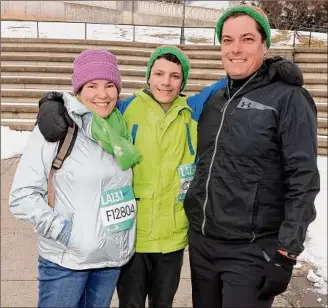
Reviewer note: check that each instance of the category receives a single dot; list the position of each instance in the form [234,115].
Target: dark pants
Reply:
[154,274]
[227,274]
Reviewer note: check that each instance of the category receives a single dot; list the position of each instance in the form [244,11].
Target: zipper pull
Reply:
[265,255]
[228,92]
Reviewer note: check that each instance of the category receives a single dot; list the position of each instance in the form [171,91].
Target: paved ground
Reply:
[19,263]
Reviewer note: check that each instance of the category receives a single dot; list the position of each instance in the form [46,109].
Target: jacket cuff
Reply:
[283,260]
[287,254]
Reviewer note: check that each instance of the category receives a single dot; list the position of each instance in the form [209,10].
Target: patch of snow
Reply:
[73,30]
[311,276]
[110,32]
[12,142]
[19,29]
[315,252]
[160,35]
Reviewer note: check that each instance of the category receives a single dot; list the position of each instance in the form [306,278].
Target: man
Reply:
[252,197]
[163,125]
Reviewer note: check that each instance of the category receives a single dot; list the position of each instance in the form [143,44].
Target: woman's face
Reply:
[100,96]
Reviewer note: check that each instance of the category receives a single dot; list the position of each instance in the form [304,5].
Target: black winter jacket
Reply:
[257,172]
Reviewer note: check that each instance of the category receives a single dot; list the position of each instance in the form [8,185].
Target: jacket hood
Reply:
[74,105]
[78,112]
[280,69]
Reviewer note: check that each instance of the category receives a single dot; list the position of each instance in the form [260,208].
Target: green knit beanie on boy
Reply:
[255,12]
[182,57]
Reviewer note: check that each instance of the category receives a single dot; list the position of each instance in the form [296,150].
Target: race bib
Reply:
[118,209]
[186,173]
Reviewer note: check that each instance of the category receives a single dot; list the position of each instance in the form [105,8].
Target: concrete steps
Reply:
[316,88]
[32,67]
[58,66]
[118,51]
[66,72]
[313,63]
[129,87]
[314,58]
[37,57]
[55,78]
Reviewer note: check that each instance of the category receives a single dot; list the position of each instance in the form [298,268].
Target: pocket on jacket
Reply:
[232,202]
[144,196]
[271,211]
[83,241]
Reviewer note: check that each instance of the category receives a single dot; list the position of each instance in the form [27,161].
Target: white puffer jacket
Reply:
[90,189]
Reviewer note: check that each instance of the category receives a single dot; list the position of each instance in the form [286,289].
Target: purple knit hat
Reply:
[93,64]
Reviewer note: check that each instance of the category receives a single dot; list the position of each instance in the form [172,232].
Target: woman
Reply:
[82,243]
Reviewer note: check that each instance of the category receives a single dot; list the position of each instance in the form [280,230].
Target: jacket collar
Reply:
[259,79]
[179,103]
[275,69]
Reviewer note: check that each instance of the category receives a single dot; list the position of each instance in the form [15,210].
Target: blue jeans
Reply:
[62,287]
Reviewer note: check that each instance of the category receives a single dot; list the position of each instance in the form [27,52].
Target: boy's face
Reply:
[165,80]
[242,47]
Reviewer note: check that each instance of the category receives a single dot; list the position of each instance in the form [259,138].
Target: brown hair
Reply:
[258,27]
[170,57]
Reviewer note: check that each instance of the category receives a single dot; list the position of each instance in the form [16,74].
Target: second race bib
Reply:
[186,173]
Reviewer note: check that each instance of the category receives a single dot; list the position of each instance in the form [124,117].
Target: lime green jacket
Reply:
[167,143]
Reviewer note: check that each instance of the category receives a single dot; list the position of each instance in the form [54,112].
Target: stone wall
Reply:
[112,12]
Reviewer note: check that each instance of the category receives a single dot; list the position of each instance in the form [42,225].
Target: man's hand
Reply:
[53,119]
[277,275]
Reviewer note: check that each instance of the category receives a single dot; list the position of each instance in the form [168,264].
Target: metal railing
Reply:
[300,27]
[39,24]
[182,34]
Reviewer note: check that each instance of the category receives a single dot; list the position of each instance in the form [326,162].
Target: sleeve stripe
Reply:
[123,104]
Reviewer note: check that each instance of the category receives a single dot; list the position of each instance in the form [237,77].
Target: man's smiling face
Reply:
[242,46]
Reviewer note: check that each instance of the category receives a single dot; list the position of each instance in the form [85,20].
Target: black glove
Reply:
[53,119]
[284,70]
[277,275]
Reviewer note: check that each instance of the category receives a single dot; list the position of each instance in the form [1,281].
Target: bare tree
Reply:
[294,15]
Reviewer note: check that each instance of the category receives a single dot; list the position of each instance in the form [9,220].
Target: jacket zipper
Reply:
[225,106]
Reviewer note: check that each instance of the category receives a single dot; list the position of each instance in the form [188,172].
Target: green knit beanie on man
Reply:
[168,49]
[254,12]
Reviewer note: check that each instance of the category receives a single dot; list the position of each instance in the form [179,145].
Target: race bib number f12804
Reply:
[118,209]
[186,173]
